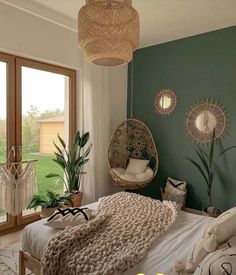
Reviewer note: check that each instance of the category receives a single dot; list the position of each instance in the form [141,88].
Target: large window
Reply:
[39,106]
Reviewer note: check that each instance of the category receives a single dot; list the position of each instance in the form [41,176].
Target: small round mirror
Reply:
[206,122]
[203,118]
[165,102]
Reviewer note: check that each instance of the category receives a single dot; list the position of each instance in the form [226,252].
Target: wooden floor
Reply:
[10,238]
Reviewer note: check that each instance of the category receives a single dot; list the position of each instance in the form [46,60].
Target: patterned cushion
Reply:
[69,217]
[180,184]
[221,261]
[176,191]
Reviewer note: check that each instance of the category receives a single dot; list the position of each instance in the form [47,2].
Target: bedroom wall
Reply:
[196,67]
[33,37]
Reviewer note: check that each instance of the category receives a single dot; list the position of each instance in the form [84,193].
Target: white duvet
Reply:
[173,245]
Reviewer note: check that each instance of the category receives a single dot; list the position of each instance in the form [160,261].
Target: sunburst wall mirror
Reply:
[205,116]
[165,102]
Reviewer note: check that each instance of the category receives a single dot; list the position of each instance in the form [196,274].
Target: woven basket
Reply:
[108,31]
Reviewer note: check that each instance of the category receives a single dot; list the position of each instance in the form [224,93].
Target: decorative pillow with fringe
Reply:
[220,230]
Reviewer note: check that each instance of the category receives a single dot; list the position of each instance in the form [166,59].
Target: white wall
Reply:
[28,35]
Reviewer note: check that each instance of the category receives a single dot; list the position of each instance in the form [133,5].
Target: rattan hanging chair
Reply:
[131,139]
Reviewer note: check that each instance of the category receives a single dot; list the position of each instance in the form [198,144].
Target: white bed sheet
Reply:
[171,246]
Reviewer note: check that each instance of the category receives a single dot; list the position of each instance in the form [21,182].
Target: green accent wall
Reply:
[202,66]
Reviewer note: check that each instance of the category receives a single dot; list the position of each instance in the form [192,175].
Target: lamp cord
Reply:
[132,89]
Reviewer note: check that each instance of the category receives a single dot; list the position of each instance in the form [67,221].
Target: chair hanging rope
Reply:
[17,185]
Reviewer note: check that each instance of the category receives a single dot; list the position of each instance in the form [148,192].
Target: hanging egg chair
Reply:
[132,140]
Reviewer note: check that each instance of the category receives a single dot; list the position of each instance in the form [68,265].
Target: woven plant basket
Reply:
[131,139]
[108,31]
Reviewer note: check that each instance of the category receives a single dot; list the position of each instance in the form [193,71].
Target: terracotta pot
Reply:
[77,199]
[46,212]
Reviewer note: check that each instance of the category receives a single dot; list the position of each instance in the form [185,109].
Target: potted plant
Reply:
[207,166]
[49,202]
[72,160]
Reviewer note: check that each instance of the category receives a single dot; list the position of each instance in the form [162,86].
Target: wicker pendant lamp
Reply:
[108,31]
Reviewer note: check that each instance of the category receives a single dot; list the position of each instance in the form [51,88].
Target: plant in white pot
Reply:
[72,160]
[49,202]
[207,166]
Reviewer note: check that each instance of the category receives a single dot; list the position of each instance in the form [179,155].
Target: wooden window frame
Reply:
[14,113]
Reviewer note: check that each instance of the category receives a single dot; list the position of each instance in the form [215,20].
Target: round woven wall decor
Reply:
[165,102]
[108,31]
[205,116]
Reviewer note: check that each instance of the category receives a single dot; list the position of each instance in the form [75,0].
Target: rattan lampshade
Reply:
[108,31]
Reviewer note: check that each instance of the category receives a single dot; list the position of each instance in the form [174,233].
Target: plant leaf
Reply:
[202,158]
[61,141]
[225,150]
[58,148]
[52,175]
[84,139]
[199,169]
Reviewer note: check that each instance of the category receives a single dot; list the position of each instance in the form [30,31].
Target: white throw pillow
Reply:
[118,171]
[145,176]
[220,230]
[136,166]
[221,261]
[194,258]
[69,217]
[139,177]
[180,184]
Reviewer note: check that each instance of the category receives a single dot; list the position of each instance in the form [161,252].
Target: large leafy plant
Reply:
[49,200]
[72,160]
[207,165]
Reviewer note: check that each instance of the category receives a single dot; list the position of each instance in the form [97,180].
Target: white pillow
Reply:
[180,184]
[220,230]
[145,176]
[136,166]
[69,217]
[129,177]
[221,261]
[118,171]
[139,177]
[194,258]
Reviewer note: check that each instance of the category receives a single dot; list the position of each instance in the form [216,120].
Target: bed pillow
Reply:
[174,194]
[220,230]
[136,166]
[194,258]
[148,173]
[181,185]
[221,261]
[69,217]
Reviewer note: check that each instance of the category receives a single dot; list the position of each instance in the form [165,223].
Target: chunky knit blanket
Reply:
[118,237]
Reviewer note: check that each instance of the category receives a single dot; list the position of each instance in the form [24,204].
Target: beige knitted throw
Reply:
[119,237]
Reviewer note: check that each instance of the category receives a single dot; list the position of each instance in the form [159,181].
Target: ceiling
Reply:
[161,20]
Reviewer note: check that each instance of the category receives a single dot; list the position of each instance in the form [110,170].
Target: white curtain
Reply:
[98,114]
[97,120]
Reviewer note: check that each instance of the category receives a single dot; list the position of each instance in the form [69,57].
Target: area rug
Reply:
[9,260]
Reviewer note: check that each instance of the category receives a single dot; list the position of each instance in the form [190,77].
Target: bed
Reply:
[173,245]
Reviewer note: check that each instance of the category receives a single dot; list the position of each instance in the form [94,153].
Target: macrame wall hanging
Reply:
[17,184]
